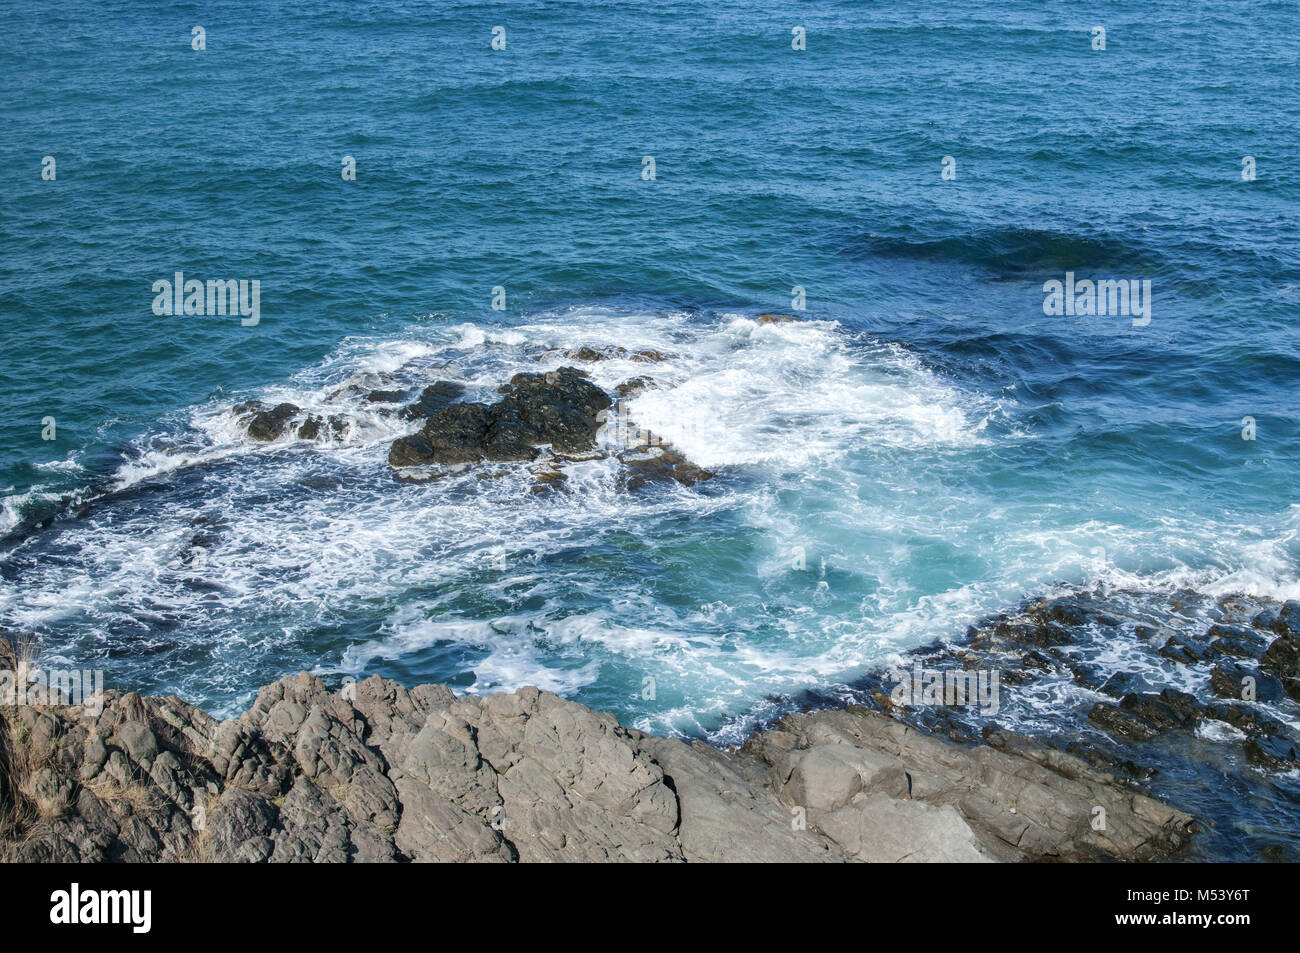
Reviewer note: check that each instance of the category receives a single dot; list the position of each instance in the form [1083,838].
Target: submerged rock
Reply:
[1234,655]
[266,425]
[593,354]
[315,427]
[1272,752]
[367,386]
[630,388]
[547,476]
[659,465]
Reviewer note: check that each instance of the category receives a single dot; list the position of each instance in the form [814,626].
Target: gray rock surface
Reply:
[377,772]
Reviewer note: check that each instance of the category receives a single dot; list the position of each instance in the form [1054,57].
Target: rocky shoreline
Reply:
[374,772]
[1200,708]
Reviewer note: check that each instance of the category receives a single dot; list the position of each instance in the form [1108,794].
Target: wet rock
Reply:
[1230,679]
[776,319]
[434,398]
[1097,678]
[334,427]
[203,539]
[548,477]
[592,354]
[1121,724]
[349,392]
[1246,718]
[420,474]
[1187,650]
[558,408]
[1169,709]
[1281,620]
[385,396]
[1235,608]
[460,433]
[568,385]
[1272,752]
[659,465]
[1282,658]
[1032,630]
[1079,611]
[1037,661]
[268,425]
[1238,641]
[630,388]
[1144,733]
[339,425]
[1045,624]
[1119,684]
[360,386]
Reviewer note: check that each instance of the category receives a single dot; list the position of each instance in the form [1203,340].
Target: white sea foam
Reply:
[844,455]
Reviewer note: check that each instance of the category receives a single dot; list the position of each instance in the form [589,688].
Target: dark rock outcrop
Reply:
[1282,657]
[559,408]
[459,433]
[434,398]
[385,396]
[268,424]
[1246,649]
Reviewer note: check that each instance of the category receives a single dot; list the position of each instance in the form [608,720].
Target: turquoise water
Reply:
[927,447]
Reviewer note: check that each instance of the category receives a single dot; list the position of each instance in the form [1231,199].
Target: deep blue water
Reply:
[935,445]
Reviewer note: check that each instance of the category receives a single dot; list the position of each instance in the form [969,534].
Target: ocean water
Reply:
[924,448]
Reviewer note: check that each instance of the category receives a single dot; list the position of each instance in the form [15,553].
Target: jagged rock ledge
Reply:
[377,772]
